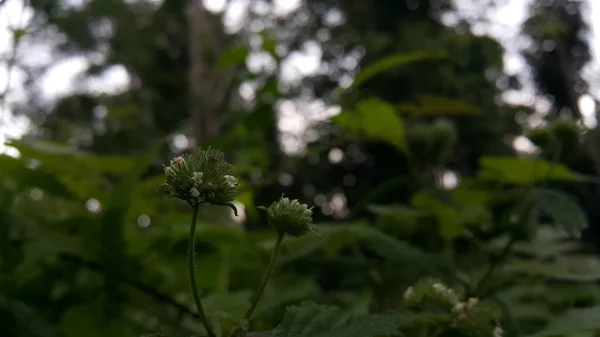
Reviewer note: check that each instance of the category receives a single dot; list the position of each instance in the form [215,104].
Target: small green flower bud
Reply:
[418,138]
[566,131]
[290,217]
[443,139]
[169,171]
[202,176]
[469,318]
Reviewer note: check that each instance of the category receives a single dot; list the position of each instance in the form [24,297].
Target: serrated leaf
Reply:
[375,119]
[563,209]
[572,322]
[384,245]
[566,268]
[376,325]
[313,320]
[400,252]
[522,171]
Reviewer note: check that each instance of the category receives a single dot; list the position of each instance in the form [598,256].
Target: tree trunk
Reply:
[207,89]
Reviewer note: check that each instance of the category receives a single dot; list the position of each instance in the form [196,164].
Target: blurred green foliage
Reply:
[426,184]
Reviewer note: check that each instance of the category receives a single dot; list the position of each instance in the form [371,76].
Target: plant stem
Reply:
[192,268]
[266,278]
[495,264]
[524,212]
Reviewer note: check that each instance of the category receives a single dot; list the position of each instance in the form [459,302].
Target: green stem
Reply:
[524,214]
[266,278]
[191,266]
[495,264]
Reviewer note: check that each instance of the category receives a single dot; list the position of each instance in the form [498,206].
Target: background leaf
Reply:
[563,209]
[572,322]
[522,171]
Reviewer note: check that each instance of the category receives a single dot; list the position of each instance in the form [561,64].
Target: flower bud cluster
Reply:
[201,177]
[431,292]
[469,318]
[290,217]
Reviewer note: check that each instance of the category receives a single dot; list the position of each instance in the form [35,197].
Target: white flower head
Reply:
[231,181]
[451,295]
[498,332]
[440,288]
[472,302]
[194,192]
[460,306]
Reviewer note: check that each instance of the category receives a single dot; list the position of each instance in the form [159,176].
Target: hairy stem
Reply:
[192,268]
[266,278]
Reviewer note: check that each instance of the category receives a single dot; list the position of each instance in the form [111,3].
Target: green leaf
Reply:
[286,289]
[338,236]
[400,252]
[571,269]
[375,119]
[232,57]
[522,171]
[563,209]
[448,217]
[393,62]
[28,177]
[18,319]
[381,121]
[454,211]
[429,105]
[89,320]
[313,320]
[112,243]
[572,322]
[348,120]
[548,242]
[68,159]
[233,304]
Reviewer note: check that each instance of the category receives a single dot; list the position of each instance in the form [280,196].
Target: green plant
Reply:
[205,177]
[430,307]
